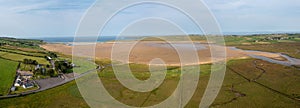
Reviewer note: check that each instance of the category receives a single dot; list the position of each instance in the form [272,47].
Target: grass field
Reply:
[63,96]
[262,92]
[230,40]
[24,49]
[21,52]
[18,57]
[248,82]
[289,48]
[8,71]
[22,43]
[26,67]
[236,90]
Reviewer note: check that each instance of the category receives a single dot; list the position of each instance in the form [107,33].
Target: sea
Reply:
[68,39]
[83,39]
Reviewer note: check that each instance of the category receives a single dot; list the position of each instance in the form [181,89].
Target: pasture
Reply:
[8,72]
[19,57]
[237,90]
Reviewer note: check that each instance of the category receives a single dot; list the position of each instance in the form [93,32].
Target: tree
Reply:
[25,61]
[35,62]
[30,61]
[52,55]
[63,66]
[51,72]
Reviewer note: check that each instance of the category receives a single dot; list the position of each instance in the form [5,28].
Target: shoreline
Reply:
[143,53]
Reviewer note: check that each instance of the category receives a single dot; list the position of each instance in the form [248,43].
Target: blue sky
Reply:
[39,18]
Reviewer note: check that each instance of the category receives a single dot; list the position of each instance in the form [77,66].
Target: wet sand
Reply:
[146,51]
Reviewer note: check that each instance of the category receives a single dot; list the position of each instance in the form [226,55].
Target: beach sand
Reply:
[145,51]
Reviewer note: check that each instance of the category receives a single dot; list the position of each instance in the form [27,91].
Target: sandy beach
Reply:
[145,51]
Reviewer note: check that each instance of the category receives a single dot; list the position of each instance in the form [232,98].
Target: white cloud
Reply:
[60,17]
[222,5]
[40,18]
[257,15]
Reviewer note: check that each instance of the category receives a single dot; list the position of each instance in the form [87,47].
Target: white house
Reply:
[18,82]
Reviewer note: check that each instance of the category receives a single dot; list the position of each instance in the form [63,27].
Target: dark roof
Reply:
[19,82]
[28,84]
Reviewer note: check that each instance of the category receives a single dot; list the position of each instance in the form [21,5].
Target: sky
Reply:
[58,18]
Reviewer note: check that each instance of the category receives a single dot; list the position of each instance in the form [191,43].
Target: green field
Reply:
[290,48]
[230,40]
[245,93]
[8,72]
[18,57]
[23,43]
[274,88]
[62,96]
[19,49]
[26,67]
[248,82]
[21,52]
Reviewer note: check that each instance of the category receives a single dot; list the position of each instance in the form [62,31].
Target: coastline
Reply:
[145,51]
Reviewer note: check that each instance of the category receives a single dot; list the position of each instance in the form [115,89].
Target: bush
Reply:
[64,67]
[30,61]
[52,73]
[68,71]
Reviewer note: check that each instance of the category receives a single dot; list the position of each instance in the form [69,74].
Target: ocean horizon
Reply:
[82,39]
[68,39]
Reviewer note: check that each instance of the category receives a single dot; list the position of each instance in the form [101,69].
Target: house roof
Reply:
[49,57]
[28,85]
